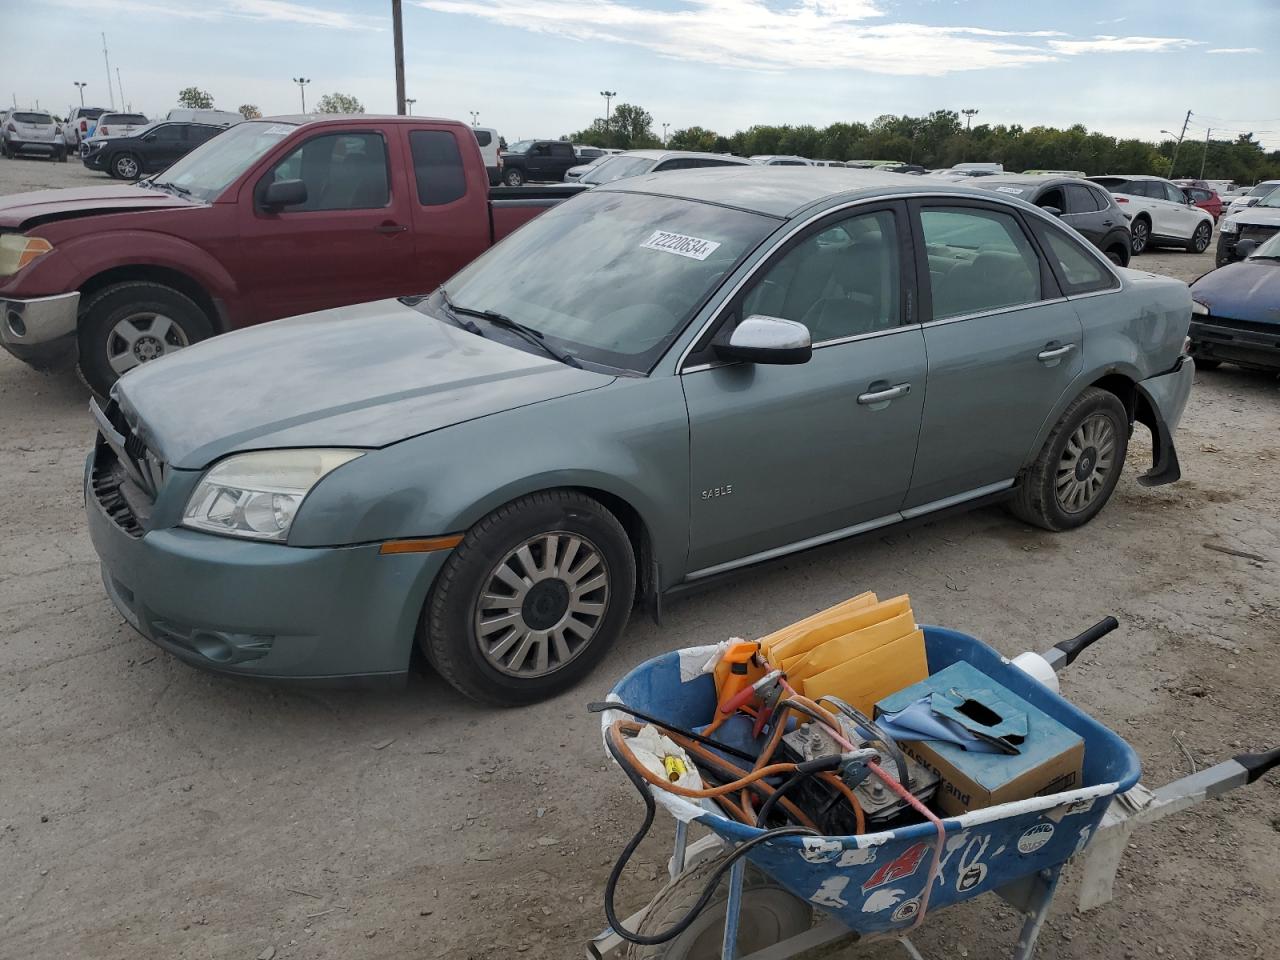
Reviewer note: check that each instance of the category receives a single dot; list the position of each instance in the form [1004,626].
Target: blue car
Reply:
[1235,315]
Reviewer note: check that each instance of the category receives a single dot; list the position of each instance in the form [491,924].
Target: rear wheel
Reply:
[531,600]
[1205,363]
[1118,255]
[513,178]
[769,915]
[1079,466]
[1140,235]
[126,166]
[1199,241]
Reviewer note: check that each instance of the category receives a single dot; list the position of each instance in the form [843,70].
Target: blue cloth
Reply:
[919,721]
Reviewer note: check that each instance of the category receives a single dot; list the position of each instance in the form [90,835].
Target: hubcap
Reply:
[1086,464]
[542,605]
[141,338]
[1202,236]
[127,168]
[1139,236]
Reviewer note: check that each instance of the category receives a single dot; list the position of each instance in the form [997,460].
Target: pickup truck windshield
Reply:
[611,278]
[210,168]
[618,168]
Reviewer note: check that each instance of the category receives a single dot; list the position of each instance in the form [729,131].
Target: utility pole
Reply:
[1205,155]
[608,108]
[81,86]
[302,89]
[409,102]
[969,114]
[1174,161]
[397,37]
[121,86]
[107,60]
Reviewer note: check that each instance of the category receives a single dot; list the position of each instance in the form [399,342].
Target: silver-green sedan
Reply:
[657,382]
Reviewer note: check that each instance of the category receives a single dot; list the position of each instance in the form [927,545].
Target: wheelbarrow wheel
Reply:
[769,915]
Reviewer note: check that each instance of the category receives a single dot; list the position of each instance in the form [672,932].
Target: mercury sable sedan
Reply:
[657,382]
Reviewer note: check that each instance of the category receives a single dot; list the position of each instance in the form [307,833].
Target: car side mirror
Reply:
[761,339]
[284,193]
[1052,211]
[1246,248]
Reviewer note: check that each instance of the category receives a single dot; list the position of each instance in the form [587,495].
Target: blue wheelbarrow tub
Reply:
[874,883]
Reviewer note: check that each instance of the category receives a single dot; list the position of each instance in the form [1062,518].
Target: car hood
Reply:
[361,376]
[23,211]
[1249,290]
[1262,216]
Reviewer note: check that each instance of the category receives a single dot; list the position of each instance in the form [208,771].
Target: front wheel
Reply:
[1078,468]
[513,178]
[126,167]
[769,915]
[1140,236]
[1199,241]
[531,599]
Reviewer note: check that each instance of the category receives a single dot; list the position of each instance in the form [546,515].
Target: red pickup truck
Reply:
[269,219]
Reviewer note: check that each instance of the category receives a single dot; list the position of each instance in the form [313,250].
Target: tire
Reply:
[1118,256]
[1056,497]
[1206,363]
[513,178]
[127,324]
[1140,235]
[769,915]
[1199,241]
[125,166]
[452,634]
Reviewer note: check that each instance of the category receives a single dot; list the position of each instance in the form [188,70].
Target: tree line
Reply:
[941,140]
[193,98]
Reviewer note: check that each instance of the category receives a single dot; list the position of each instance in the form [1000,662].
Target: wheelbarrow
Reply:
[792,894]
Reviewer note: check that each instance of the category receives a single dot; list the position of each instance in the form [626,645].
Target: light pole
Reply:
[475,117]
[302,89]
[665,126]
[969,114]
[409,102]
[608,108]
[81,86]
[1176,143]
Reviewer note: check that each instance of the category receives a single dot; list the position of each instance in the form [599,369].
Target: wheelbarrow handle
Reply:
[1070,649]
[1258,764]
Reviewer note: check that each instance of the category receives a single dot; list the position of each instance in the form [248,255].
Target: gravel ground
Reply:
[147,809]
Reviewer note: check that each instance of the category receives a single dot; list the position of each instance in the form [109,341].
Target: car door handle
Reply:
[1107,223]
[1054,353]
[885,395]
[391,228]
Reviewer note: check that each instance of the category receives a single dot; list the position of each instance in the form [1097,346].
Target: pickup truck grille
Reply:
[126,477]
[1258,233]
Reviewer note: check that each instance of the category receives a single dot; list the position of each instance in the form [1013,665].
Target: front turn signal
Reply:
[18,250]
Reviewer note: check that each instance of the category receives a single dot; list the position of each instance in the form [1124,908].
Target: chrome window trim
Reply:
[838,341]
[996,199]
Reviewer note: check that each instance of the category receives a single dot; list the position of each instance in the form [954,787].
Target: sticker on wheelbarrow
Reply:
[1035,838]
[883,899]
[907,911]
[903,866]
[819,850]
[830,894]
[972,871]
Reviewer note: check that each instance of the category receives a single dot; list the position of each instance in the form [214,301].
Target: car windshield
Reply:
[521,146]
[1269,250]
[619,168]
[1261,190]
[611,278]
[41,118]
[210,168]
[1272,199]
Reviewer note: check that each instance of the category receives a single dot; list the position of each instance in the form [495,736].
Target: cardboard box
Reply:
[1050,757]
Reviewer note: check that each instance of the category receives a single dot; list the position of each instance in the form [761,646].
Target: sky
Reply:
[536,68]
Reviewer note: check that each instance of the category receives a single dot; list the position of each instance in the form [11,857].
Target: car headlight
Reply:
[17,250]
[1199,309]
[256,495]
[1229,226]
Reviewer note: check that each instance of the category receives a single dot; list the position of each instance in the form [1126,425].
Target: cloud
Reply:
[274,11]
[782,35]
[1103,23]
[1106,44]
[1235,50]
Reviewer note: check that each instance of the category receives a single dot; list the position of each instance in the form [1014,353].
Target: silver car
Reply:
[657,382]
[634,163]
[111,126]
[32,132]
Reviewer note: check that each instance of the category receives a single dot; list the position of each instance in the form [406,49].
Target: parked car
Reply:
[1255,224]
[584,152]
[911,168]
[531,161]
[1086,207]
[660,381]
[489,142]
[113,126]
[827,163]
[771,160]
[1206,198]
[1055,173]
[1236,314]
[633,163]
[270,218]
[80,125]
[32,132]
[1252,195]
[1160,214]
[148,149]
[576,173]
[219,118]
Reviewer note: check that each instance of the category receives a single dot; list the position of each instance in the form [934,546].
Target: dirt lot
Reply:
[148,810]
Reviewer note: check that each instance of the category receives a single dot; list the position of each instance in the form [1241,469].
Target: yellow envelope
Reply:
[803,636]
[833,627]
[865,680]
[849,646]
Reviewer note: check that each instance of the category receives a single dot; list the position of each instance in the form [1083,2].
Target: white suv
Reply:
[1160,214]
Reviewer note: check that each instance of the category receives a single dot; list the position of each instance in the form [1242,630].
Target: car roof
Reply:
[668,154]
[1125,176]
[783,192]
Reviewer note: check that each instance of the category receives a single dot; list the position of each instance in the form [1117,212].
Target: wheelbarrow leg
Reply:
[1036,900]
[729,949]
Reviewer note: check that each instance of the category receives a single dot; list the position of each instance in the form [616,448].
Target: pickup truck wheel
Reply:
[1079,466]
[1199,241]
[513,178]
[1140,233]
[531,599]
[133,323]
[125,166]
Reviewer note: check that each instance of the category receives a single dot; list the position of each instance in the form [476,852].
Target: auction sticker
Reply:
[692,247]
[1035,838]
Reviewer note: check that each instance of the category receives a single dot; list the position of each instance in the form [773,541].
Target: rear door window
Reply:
[1081,199]
[437,167]
[979,260]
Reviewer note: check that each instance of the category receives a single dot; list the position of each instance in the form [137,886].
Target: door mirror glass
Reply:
[284,193]
[761,339]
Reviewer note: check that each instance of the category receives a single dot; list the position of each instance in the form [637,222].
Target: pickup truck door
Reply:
[349,242]
[449,203]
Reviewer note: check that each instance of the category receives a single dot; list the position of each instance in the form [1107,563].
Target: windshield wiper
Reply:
[529,334]
[451,314]
[169,184]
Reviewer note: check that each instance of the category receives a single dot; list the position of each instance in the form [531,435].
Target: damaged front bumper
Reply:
[39,330]
[1161,400]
